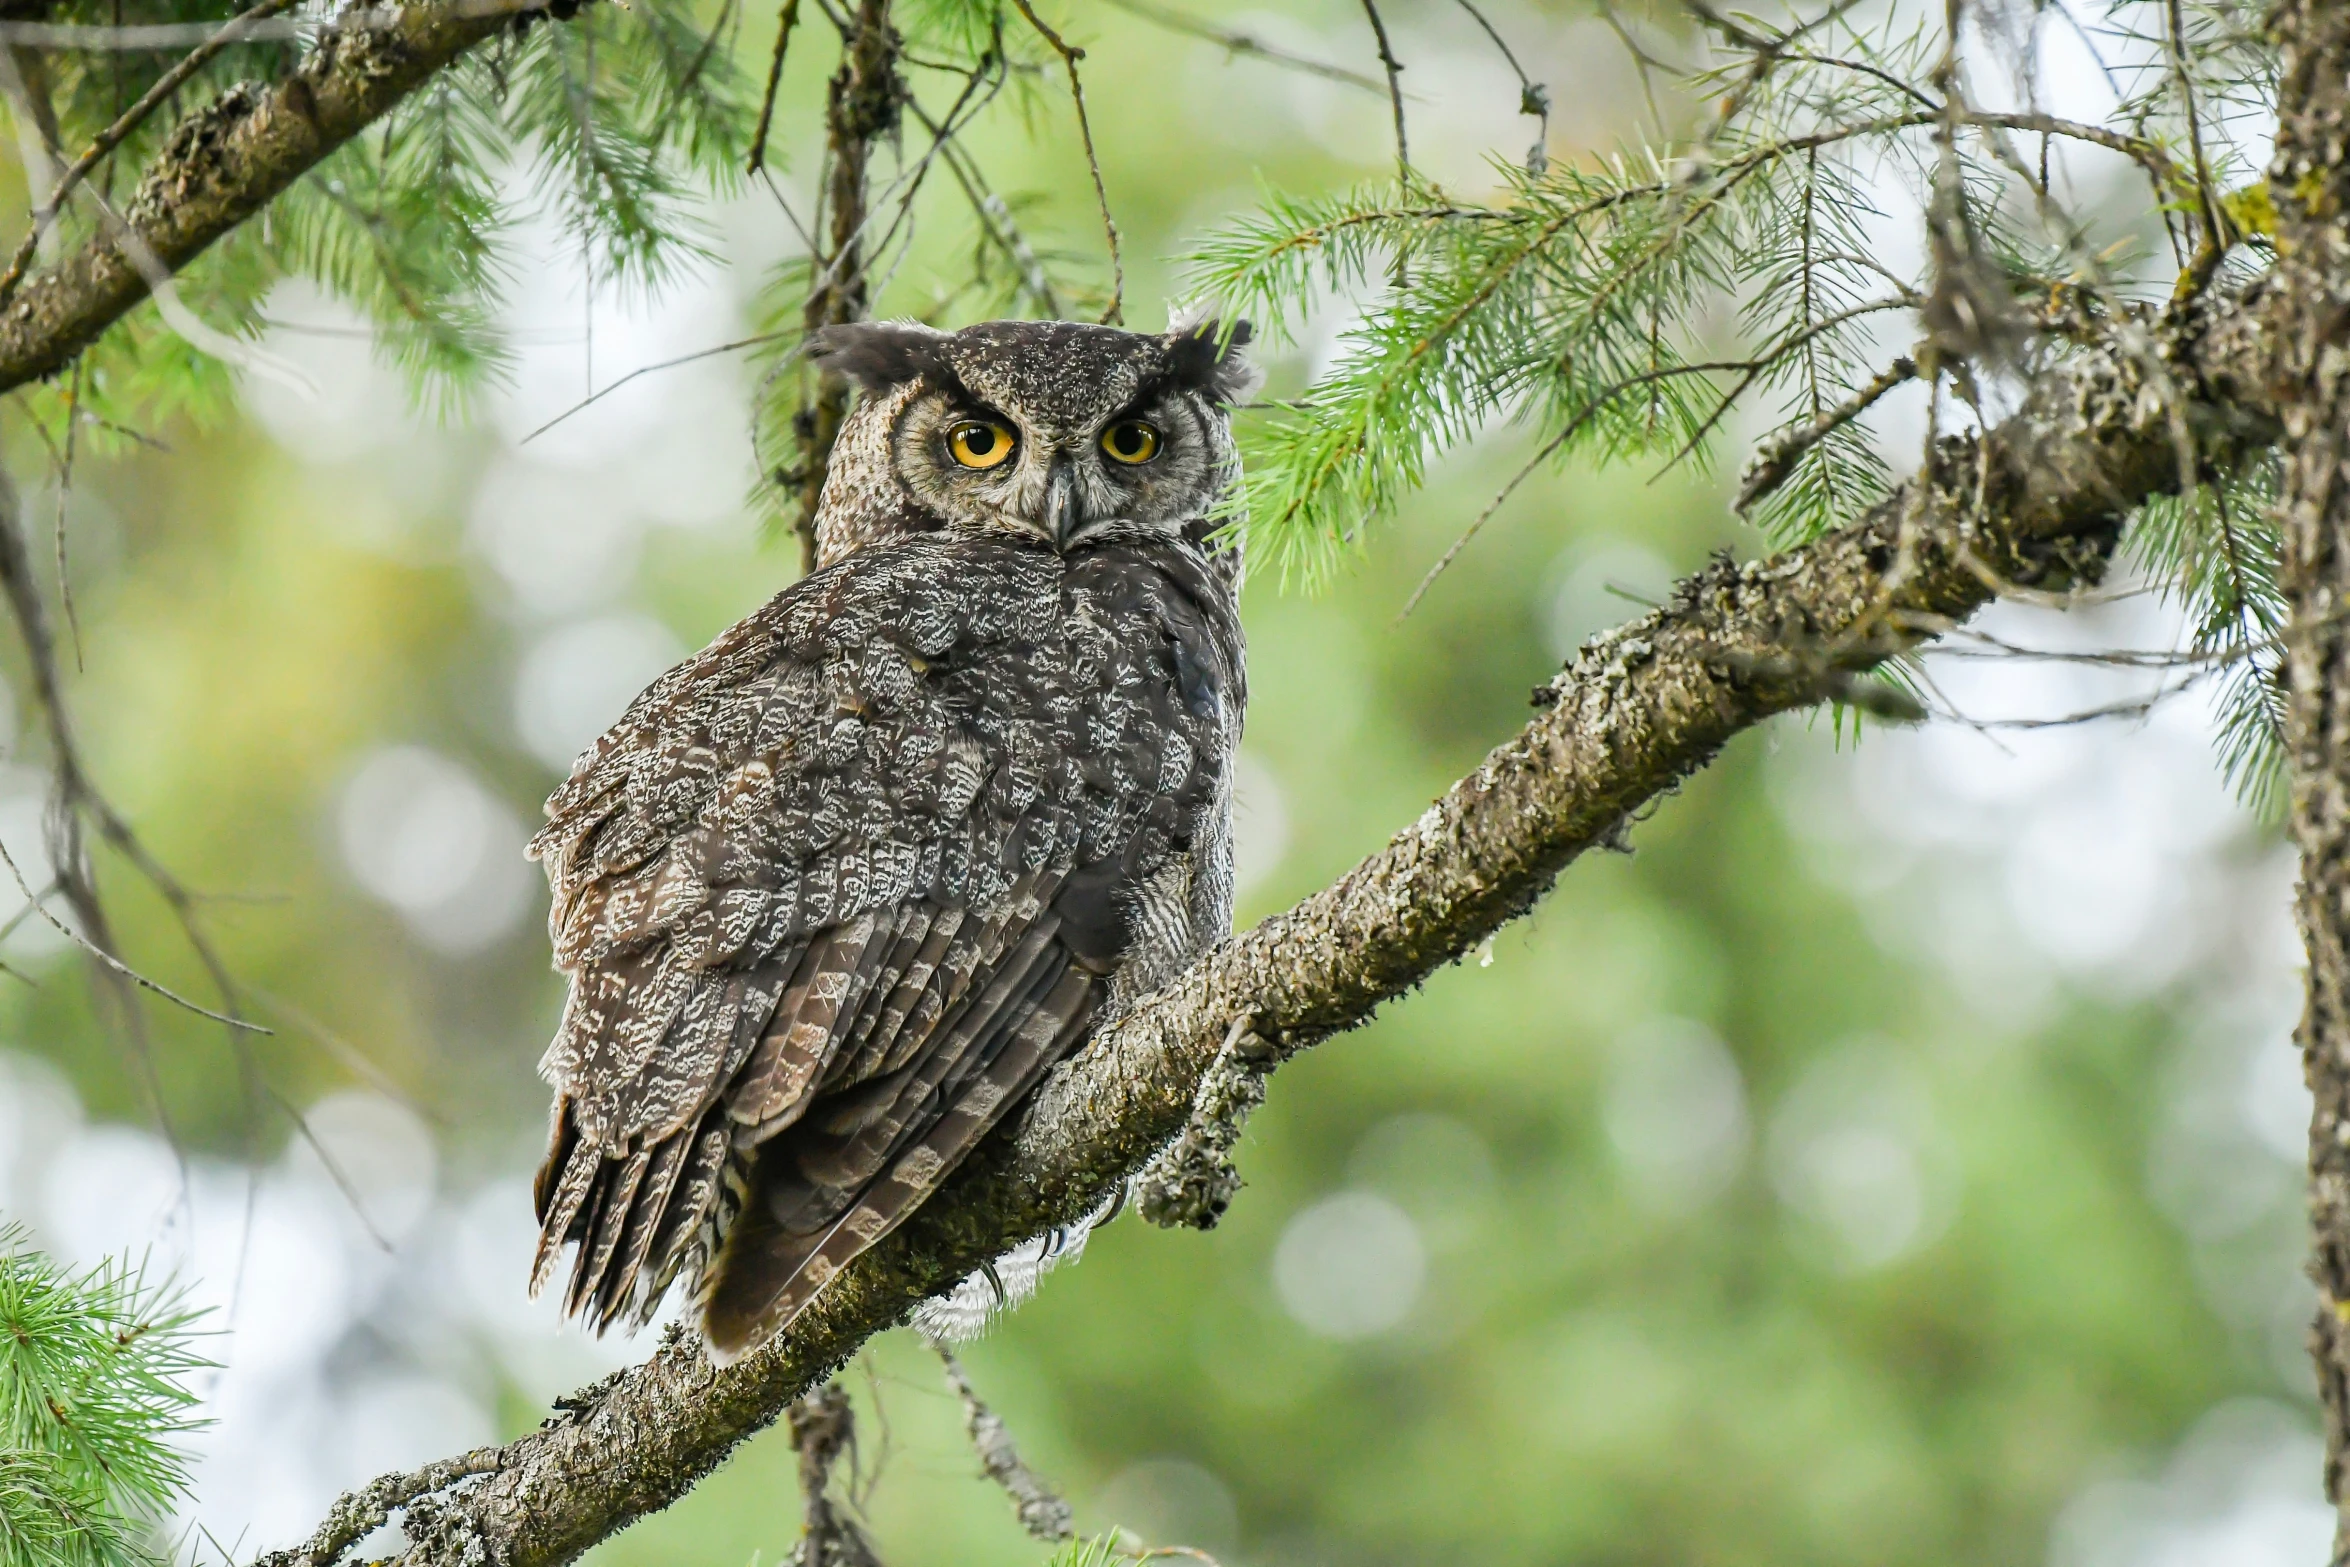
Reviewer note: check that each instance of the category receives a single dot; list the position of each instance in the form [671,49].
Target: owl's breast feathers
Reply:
[836,893]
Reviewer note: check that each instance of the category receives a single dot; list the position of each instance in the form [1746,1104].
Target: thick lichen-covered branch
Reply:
[2310,187]
[228,160]
[2040,503]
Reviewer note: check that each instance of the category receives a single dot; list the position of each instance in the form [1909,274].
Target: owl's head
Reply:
[1049,430]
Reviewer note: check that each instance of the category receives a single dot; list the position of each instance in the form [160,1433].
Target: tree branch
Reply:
[2308,181]
[229,159]
[2040,503]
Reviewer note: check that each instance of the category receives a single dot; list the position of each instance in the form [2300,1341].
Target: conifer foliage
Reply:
[1637,306]
[95,1394]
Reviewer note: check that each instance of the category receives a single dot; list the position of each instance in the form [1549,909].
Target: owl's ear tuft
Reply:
[1206,354]
[878,355]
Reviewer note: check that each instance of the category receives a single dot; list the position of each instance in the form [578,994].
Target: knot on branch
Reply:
[1827,674]
[2069,562]
[193,154]
[1192,1181]
[869,95]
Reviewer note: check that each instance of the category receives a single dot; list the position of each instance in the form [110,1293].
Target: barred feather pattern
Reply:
[836,893]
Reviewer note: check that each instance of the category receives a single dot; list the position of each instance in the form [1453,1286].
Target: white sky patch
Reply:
[419,833]
[576,680]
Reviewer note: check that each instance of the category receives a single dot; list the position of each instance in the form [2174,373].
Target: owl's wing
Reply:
[833,896]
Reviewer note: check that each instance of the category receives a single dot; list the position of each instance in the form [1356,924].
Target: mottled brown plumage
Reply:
[835,894]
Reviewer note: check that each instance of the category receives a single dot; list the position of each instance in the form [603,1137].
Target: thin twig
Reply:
[1243,43]
[791,16]
[993,74]
[1771,466]
[349,1054]
[1394,69]
[1598,402]
[334,1172]
[603,392]
[116,964]
[995,219]
[2215,227]
[1070,54]
[73,403]
[1533,97]
[1041,1510]
[1754,369]
[1644,63]
[1863,68]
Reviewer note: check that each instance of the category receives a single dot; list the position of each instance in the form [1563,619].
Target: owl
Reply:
[837,892]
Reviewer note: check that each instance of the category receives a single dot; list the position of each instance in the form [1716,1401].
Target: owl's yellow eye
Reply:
[980,443]
[1130,441]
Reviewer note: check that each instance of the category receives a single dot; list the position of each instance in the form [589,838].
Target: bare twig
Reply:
[1770,467]
[1070,54]
[354,1059]
[783,27]
[77,798]
[995,219]
[73,403]
[1394,69]
[603,392]
[1192,1182]
[334,1171]
[1041,1510]
[1533,97]
[1246,44]
[2207,209]
[113,963]
[1749,370]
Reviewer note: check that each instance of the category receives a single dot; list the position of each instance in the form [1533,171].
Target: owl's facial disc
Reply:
[1149,464]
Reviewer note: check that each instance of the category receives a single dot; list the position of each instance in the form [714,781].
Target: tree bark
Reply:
[2039,502]
[2310,185]
[862,107]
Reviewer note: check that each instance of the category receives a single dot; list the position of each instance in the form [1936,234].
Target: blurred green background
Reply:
[1890,1160]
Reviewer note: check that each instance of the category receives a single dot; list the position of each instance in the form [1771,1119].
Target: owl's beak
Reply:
[1061,520]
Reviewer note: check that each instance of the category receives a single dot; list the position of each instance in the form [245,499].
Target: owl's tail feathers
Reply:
[634,1219]
[769,1270]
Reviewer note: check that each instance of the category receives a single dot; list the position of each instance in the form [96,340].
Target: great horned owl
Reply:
[835,893]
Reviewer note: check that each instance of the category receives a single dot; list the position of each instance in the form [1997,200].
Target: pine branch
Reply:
[93,1400]
[229,159]
[2038,503]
